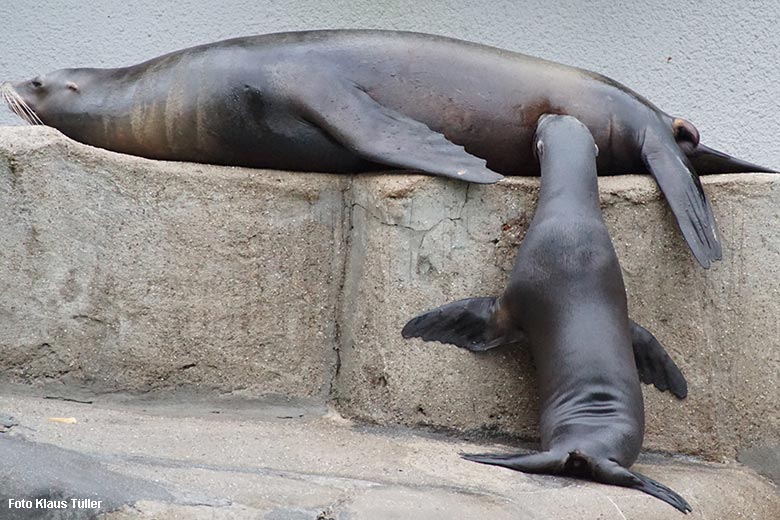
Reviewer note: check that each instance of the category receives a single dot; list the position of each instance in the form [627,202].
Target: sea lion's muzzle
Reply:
[18,105]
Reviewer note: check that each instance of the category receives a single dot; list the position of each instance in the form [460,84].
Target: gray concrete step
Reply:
[184,457]
[124,274]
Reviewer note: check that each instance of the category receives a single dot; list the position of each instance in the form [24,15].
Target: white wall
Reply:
[717,67]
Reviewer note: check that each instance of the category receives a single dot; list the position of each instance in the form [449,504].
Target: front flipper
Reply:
[683,191]
[385,136]
[654,364]
[476,324]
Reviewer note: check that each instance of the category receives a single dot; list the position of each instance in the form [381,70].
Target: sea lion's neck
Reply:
[569,184]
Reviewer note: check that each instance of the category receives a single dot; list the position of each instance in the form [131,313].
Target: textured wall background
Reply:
[714,66]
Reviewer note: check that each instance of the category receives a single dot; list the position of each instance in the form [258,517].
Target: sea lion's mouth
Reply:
[18,105]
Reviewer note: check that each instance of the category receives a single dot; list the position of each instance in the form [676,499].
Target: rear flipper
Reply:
[475,324]
[578,465]
[658,490]
[707,161]
[608,471]
[545,462]
[654,364]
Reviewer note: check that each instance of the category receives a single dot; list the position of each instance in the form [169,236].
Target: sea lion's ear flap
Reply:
[72,86]
[475,324]
[684,131]
[653,363]
[684,194]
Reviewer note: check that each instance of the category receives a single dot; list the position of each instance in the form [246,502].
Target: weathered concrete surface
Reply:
[418,243]
[219,460]
[765,460]
[123,273]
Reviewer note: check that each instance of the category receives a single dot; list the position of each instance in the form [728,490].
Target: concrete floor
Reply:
[187,457]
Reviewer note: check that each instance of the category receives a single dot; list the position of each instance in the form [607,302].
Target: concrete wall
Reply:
[418,243]
[714,63]
[124,274]
[131,275]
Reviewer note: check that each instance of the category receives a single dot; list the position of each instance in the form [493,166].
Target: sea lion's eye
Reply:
[36,83]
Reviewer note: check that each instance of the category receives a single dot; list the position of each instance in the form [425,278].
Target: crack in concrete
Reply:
[465,201]
[348,226]
[410,228]
[346,223]
[383,222]
[460,220]
[68,399]
[88,318]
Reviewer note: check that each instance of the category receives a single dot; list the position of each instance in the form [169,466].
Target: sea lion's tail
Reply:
[475,324]
[580,465]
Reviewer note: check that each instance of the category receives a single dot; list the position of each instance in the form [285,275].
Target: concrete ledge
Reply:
[128,274]
[418,243]
[123,274]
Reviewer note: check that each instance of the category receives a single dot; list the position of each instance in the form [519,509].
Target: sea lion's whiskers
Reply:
[14,106]
[19,106]
[11,102]
[33,116]
[4,91]
[36,119]
[6,97]
[20,111]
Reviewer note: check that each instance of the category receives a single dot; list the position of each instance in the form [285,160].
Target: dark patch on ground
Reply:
[37,473]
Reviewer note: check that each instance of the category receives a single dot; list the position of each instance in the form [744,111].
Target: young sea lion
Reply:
[566,295]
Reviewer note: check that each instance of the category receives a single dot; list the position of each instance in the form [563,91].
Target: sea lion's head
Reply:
[54,99]
[567,132]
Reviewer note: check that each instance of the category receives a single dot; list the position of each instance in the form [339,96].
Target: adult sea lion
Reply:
[351,101]
[566,295]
